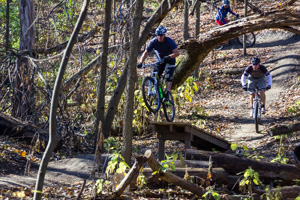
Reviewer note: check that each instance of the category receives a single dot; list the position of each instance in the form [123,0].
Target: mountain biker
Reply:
[222,13]
[167,51]
[256,74]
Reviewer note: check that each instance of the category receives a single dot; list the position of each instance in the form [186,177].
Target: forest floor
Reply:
[227,115]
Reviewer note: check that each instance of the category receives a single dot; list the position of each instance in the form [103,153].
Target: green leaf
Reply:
[245,148]
[173,168]
[256,182]
[233,146]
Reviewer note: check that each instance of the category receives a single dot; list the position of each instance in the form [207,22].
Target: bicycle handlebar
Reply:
[155,64]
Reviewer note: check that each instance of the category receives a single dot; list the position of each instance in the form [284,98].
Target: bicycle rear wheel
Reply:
[256,118]
[150,94]
[169,108]
[250,39]
[219,46]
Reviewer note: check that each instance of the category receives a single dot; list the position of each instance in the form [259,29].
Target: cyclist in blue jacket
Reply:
[222,13]
[256,74]
[167,51]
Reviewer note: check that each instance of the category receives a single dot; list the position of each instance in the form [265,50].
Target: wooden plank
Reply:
[190,135]
[214,140]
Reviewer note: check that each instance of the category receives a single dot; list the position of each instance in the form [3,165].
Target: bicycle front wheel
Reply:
[256,116]
[250,39]
[169,108]
[150,94]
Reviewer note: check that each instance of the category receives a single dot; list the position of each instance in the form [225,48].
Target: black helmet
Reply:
[255,61]
[160,30]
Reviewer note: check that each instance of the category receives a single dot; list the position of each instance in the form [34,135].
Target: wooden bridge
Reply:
[189,134]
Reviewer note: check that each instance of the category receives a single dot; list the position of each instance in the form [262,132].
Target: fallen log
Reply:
[14,128]
[286,192]
[233,165]
[171,178]
[198,176]
[283,129]
[134,170]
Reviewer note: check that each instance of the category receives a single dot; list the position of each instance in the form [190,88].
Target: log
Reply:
[233,165]
[287,192]
[198,176]
[134,170]
[14,128]
[283,129]
[171,178]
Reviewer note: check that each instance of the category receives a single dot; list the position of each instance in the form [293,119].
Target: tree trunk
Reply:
[283,129]
[186,21]
[53,138]
[23,94]
[197,23]
[6,37]
[131,80]
[197,30]
[269,171]
[102,79]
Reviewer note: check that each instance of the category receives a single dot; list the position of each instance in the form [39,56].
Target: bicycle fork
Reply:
[256,102]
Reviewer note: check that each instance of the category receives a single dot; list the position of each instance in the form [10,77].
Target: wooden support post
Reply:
[161,149]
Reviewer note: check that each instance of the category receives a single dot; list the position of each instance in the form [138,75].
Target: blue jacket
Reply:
[222,13]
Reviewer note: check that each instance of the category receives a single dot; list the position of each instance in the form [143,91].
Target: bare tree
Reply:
[6,37]
[186,20]
[102,79]
[53,138]
[23,97]
[131,80]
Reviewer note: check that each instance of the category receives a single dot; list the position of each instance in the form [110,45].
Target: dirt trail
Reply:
[285,47]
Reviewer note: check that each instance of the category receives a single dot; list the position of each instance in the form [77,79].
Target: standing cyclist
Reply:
[222,13]
[256,74]
[167,51]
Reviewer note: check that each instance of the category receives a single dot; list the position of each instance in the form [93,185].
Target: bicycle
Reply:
[155,95]
[256,111]
[250,40]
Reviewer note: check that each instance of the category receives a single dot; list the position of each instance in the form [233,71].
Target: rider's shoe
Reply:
[156,102]
[251,112]
[263,110]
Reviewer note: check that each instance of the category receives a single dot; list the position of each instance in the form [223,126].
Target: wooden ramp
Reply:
[189,134]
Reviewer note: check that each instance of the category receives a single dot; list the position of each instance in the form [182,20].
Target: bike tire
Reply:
[219,47]
[256,118]
[150,94]
[168,107]
[250,39]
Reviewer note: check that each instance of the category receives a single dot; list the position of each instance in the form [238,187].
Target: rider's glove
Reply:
[268,87]
[165,59]
[139,65]
[237,15]
[245,87]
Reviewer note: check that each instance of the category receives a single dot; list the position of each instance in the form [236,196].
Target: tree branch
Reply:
[197,50]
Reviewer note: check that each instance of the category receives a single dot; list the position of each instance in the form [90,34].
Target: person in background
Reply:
[222,13]
[256,74]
